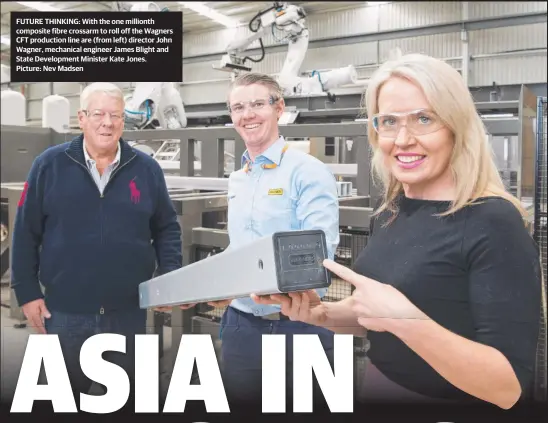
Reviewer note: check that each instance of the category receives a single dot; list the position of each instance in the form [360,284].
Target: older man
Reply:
[95,219]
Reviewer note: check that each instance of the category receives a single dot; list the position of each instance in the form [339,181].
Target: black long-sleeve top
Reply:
[476,273]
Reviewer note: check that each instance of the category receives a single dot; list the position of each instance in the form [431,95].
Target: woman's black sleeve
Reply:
[505,280]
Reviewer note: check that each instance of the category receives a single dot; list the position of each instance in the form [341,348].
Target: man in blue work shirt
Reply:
[277,189]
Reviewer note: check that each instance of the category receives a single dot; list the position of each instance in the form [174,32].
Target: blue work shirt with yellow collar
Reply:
[293,191]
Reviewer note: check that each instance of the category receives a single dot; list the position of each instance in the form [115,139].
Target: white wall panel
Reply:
[199,43]
[74,105]
[325,25]
[34,111]
[202,71]
[527,69]
[316,59]
[35,108]
[395,15]
[341,56]
[398,15]
[499,40]
[64,88]
[38,90]
[125,85]
[214,92]
[441,46]
[489,9]
[366,19]
[272,63]
[360,20]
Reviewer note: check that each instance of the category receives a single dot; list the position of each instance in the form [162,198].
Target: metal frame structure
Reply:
[213,143]
[322,109]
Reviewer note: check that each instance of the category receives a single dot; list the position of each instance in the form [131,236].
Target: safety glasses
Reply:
[417,122]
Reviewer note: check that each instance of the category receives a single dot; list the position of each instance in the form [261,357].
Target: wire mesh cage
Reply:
[539,233]
[351,243]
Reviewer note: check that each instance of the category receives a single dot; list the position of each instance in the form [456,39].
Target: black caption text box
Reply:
[108,46]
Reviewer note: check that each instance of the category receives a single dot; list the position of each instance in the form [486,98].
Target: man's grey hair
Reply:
[252,78]
[99,87]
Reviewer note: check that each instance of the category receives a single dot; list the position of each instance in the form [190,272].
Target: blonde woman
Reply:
[449,284]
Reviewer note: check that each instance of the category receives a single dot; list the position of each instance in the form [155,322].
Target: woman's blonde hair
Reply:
[472,163]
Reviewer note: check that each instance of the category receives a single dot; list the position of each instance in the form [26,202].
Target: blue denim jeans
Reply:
[74,329]
[241,354]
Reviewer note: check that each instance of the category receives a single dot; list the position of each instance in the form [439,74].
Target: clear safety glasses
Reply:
[417,122]
[99,115]
[254,105]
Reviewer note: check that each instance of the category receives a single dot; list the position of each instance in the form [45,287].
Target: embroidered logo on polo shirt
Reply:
[276,191]
[134,192]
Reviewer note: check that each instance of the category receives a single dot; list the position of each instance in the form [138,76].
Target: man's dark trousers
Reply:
[241,354]
[74,329]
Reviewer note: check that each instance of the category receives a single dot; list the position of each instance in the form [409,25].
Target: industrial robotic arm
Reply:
[153,104]
[289,19]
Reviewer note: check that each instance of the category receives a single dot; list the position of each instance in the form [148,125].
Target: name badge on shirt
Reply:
[276,191]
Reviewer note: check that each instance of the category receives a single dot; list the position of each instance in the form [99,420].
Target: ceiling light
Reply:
[38,5]
[377,3]
[202,9]
[5,40]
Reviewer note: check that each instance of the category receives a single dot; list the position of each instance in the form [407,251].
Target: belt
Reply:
[274,316]
[271,316]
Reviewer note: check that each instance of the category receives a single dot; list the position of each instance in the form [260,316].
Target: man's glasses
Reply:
[99,115]
[254,105]
[417,122]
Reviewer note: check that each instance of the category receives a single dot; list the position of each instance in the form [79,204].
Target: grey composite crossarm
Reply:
[280,263]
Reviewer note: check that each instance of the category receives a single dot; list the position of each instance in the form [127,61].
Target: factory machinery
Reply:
[331,130]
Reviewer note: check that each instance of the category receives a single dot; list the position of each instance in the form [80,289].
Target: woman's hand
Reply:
[306,306]
[220,303]
[377,306]
[169,308]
